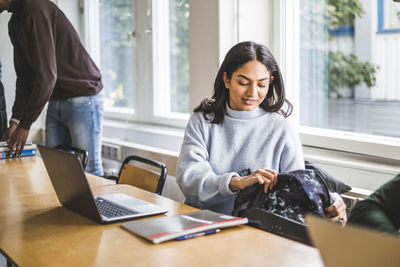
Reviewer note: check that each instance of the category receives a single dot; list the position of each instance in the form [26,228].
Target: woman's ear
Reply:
[272,78]
[226,81]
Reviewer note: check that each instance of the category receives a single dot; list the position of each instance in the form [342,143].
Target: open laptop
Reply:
[73,191]
[353,246]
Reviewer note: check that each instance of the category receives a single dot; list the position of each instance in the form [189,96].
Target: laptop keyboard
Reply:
[110,210]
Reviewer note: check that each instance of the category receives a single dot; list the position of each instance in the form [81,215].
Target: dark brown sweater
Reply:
[50,60]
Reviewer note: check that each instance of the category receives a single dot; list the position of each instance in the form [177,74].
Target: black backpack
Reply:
[282,210]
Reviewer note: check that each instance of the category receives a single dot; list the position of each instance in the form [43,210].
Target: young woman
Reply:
[243,126]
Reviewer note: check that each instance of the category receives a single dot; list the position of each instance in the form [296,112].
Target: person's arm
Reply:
[388,195]
[39,31]
[22,93]
[197,180]
[23,86]
[381,210]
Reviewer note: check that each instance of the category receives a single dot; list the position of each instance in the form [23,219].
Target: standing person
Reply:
[243,126]
[52,65]
[3,111]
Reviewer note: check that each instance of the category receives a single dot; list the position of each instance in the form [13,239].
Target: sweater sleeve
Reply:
[23,86]
[200,185]
[292,155]
[40,33]
[380,211]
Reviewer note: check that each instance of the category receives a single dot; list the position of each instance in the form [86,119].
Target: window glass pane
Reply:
[116,52]
[179,55]
[348,82]
[391,14]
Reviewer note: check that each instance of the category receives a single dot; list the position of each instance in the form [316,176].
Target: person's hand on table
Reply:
[337,211]
[16,141]
[262,176]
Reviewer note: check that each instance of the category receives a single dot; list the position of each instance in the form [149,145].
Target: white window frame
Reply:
[152,77]
[161,72]
[365,144]
[92,44]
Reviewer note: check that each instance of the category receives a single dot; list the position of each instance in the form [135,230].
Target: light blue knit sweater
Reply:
[211,154]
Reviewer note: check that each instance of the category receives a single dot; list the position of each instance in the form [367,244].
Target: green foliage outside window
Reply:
[116,52]
[347,71]
[343,12]
[179,55]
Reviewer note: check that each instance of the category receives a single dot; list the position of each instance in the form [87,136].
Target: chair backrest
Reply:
[81,153]
[143,178]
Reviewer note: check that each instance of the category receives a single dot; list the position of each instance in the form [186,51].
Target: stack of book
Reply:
[29,150]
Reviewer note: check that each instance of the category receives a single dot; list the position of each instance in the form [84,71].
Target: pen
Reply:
[208,232]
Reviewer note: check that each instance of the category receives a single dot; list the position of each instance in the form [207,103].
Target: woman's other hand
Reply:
[337,211]
[262,176]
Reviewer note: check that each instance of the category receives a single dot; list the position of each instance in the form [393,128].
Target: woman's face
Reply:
[248,86]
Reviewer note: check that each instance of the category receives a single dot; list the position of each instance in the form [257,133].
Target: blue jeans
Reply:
[77,122]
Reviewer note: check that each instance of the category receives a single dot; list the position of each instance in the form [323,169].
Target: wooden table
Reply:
[36,231]
[28,176]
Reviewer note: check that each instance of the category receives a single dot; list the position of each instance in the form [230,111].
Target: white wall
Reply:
[380,49]
[6,56]
[387,56]
[73,10]
[204,48]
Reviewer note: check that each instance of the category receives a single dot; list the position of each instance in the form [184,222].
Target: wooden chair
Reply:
[144,178]
[81,153]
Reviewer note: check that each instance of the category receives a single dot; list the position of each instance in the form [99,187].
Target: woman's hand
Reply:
[262,176]
[337,212]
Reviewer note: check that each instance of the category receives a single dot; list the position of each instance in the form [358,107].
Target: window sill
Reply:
[144,133]
[376,146]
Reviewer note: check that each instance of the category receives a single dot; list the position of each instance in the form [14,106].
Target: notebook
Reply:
[73,191]
[29,150]
[352,246]
[166,228]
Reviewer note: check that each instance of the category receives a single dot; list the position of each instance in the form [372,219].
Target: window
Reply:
[142,50]
[116,32]
[171,57]
[388,16]
[179,55]
[348,82]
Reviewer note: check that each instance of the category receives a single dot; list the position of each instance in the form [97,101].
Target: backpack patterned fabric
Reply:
[295,194]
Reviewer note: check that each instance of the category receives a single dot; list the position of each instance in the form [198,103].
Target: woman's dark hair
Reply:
[238,56]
